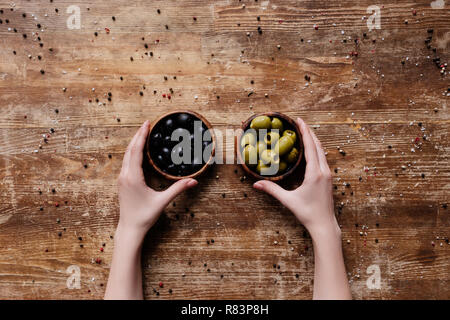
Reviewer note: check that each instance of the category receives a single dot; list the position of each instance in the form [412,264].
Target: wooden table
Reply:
[376,99]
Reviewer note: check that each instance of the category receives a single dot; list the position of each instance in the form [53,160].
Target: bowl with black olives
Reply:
[269,146]
[181,144]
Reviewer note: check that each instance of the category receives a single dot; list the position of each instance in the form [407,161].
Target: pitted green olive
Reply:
[248,139]
[261,167]
[261,146]
[275,158]
[291,134]
[261,122]
[271,138]
[284,145]
[266,156]
[292,156]
[277,124]
[250,155]
[282,166]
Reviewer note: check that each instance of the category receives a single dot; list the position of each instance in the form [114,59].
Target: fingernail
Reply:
[192,183]
[258,185]
[145,123]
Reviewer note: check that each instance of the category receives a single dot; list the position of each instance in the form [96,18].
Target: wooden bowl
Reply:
[298,144]
[205,166]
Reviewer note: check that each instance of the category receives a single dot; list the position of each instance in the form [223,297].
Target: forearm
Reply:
[125,276]
[330,277]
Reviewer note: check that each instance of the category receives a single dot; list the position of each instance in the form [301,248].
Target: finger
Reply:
[321,154]
[177,188]
[312,161]
[137,150]
[271,188]
[126,157]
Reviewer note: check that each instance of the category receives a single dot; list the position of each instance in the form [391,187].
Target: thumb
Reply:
[178,187]
[271,188]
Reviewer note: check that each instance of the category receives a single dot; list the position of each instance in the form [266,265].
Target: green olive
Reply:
[266,156]
[261,167]
[291,134]
[248,139]
[261,122]
[274,157]
[250,155]
[284,145]
[271,138]
[282,166]
[277,124]
[292,156]
[261,146]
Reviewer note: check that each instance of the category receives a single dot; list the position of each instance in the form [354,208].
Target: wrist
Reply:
[325,232]
[131,237]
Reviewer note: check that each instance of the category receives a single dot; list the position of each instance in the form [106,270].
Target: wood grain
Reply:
[372,106]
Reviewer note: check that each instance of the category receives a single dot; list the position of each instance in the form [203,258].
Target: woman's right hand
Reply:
[312,202]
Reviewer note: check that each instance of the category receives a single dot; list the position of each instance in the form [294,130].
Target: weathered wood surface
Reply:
[393,217]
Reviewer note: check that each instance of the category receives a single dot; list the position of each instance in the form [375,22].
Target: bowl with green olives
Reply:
[269,146]
[181,144]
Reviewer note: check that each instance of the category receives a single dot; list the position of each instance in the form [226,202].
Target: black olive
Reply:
[167,141]
[177,151]
[197,161]
[180,134]
[165,152]
[172,169]
[168,125]
[207,149]
[160,161]
[182,170]
[156,140]
[199,129]
[206,144]
[184,120]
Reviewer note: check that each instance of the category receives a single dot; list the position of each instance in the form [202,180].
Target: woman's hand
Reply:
[141,206]
[312,202]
